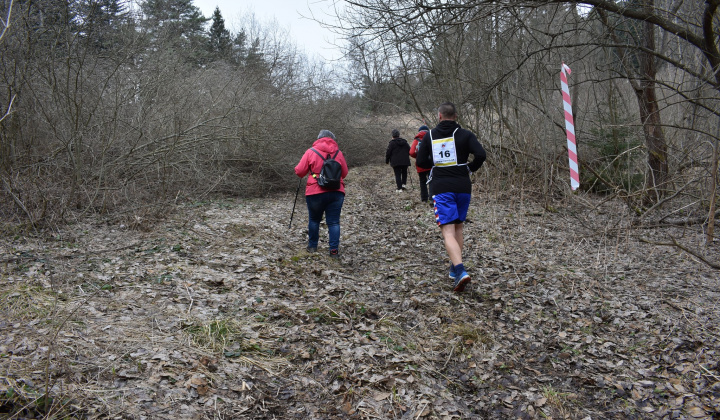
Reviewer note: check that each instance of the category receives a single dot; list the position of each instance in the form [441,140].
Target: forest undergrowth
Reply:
[217,311]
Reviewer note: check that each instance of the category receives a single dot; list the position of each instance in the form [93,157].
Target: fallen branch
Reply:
[684,248]
[666,199]
[691,221]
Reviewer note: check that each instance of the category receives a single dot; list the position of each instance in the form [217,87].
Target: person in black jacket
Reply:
[445,149]
[398,156]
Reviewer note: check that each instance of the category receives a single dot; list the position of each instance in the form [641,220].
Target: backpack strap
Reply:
[328,156]
[318,153]
[321,157]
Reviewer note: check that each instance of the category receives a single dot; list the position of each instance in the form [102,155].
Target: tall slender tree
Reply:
[50,23]
[176,24]
[101,22]
[219,41]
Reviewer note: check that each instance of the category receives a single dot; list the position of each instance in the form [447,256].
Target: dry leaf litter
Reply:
[217,311]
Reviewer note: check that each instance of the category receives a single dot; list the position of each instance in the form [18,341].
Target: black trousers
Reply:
[400,176]
[423,185]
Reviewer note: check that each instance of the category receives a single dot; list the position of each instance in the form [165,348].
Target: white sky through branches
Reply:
[294,15]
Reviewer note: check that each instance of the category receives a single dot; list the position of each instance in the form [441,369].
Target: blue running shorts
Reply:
[451,207]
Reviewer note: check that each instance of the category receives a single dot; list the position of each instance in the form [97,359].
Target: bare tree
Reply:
[112,116]
[5,22]
[525,38]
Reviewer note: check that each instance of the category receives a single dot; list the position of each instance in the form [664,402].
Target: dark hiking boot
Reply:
[334,253]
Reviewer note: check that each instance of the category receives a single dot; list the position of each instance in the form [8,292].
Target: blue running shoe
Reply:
[452,271]
[461,280]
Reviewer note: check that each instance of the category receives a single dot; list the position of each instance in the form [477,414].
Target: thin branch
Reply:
[9,108]
[16,199]
[665,200]
[675,243]
[6,22]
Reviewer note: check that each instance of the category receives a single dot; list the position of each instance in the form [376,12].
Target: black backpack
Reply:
[331,172]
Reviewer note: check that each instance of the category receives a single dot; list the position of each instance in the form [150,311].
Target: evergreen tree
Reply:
[219,43]
[50,24]
[176,24]
[239,49]
[102,22]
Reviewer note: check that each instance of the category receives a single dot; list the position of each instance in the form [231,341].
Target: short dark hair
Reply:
[395,133]
[447,110]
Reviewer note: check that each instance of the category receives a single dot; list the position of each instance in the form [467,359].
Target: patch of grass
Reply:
[155,249]
[24,301]
[241,229]
[20,400]
[199,204]
[216,335]
[354,309]
[555,398]
[324,315]
[470,334]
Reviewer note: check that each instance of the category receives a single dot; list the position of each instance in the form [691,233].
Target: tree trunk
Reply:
[654,138]
[713,191]
[650,112]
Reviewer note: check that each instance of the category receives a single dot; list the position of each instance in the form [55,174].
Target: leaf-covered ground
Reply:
[217,311]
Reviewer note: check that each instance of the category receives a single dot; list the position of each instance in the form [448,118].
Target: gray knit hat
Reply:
[395,133]
[326,133]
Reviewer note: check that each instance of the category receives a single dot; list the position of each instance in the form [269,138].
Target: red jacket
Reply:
[311,162]
[415,146]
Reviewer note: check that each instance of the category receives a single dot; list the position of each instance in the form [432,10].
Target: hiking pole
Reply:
[295,202]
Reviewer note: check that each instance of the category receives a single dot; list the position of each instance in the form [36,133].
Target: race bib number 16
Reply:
[444,152]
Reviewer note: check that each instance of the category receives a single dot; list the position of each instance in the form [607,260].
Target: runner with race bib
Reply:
[446,149]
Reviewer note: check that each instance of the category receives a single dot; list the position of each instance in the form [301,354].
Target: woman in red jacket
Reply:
[320,200]
[422,172]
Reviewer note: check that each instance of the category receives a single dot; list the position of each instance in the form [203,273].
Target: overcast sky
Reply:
[295,15]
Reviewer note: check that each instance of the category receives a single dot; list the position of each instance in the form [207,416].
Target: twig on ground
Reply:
[191,299]
[684,248]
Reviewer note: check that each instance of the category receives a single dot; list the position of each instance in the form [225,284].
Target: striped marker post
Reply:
[570,129]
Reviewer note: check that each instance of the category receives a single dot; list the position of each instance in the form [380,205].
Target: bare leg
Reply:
[459,237]
[453,236]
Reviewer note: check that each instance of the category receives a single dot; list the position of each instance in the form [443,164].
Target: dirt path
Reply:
[218,312]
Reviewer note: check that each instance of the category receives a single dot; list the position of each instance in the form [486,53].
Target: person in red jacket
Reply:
[320,200]
[422,172]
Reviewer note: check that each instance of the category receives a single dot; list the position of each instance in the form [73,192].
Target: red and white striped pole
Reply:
[570,129]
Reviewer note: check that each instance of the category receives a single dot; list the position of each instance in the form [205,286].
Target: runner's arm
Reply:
[478,153]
